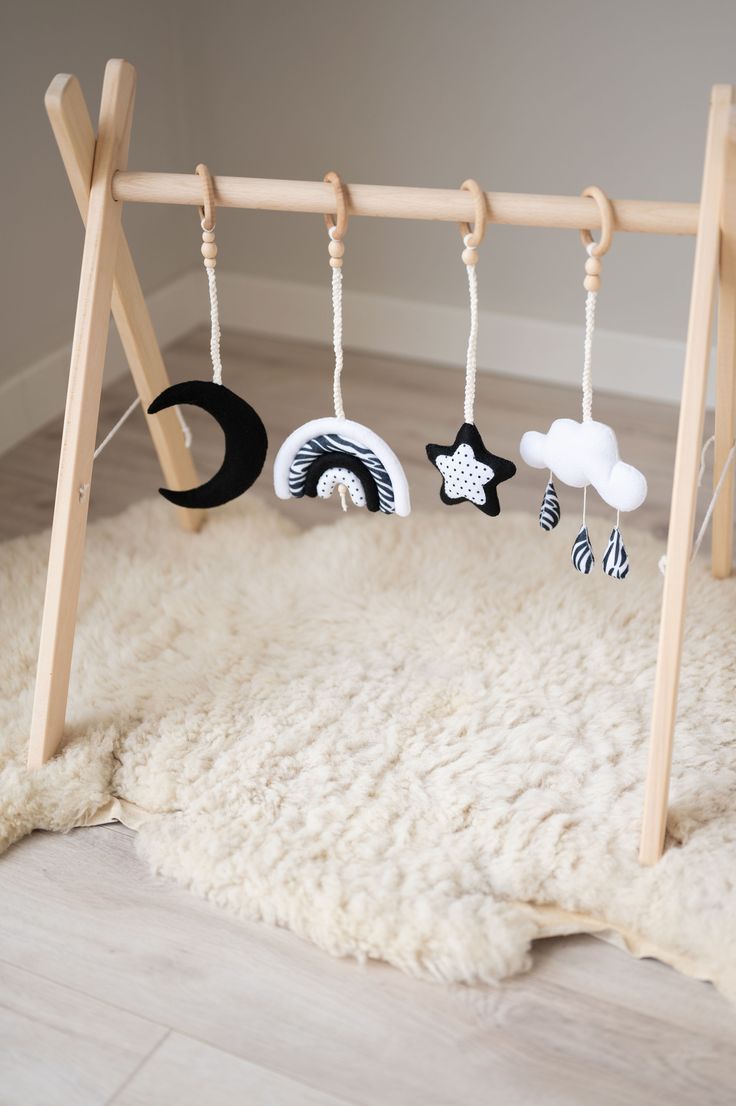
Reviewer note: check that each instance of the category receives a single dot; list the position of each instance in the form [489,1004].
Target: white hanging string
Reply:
[590,302]
[214,327]
[703,454]
[713,499]
[215,336]
[337,335]
[84,488]
[184,428]
[337,346]
[124,418]
[111,434]
[471,358]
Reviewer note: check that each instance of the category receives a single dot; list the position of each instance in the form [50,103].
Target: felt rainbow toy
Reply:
[327,453]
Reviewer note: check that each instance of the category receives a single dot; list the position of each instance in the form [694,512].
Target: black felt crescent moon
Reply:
[246,442]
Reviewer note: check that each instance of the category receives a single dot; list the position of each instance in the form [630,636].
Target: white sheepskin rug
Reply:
[417,740]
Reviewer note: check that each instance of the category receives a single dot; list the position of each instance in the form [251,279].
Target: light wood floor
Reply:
[118,988]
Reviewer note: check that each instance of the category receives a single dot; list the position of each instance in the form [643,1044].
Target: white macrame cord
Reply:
[337,335]
[471,358]
[713,499]
[111,433]
[337,347]
[590,304]
[84,488]
[214,328]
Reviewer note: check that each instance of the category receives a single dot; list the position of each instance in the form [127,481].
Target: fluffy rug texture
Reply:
[419,740]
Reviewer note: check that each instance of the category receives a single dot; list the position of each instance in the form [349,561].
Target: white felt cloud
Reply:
[581,453]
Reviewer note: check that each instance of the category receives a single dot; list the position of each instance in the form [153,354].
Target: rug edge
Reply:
[550,919]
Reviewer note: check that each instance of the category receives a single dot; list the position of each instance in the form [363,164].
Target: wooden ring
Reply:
[604,206]
[479,226]
[341,204]
[207,213]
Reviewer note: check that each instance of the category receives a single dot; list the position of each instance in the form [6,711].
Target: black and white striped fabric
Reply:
[582,552]
[549,512]
[336,443]
[616,559]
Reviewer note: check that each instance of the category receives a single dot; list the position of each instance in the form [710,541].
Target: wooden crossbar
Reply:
[101,184]
[517,209]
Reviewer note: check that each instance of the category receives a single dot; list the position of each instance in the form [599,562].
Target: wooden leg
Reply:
[684,485]
[725,429]
[82,409]
[75,138]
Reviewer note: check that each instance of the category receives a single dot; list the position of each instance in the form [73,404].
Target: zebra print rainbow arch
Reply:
[324,453]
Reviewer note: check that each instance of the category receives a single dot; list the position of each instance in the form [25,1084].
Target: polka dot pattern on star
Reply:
[470,472]
[464,475]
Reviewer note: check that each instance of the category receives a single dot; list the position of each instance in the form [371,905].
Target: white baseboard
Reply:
[625,364]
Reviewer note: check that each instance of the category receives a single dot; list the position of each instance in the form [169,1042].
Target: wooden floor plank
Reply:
[81,910]
[646,987]
[184,1072]
[59,1047]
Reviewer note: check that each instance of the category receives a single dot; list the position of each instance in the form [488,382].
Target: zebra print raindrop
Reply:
[616,559]
[549,512]
[582,552]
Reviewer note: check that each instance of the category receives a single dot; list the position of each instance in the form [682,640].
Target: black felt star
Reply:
[469,472]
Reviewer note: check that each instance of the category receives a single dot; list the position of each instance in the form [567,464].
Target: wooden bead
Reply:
[209,262]
[592,283]
[209,249]
[208,236]
[470,256]
[337,249]
[336,262]
[593,266]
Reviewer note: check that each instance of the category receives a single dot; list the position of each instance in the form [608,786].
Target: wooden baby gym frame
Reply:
[97,170]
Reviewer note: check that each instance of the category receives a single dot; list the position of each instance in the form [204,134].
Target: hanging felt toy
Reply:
[470,472]
[330,453]
[246,443]
[585,454]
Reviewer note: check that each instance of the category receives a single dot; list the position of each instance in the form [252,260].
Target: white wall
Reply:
[525,96]
[528,96]
[42,235]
